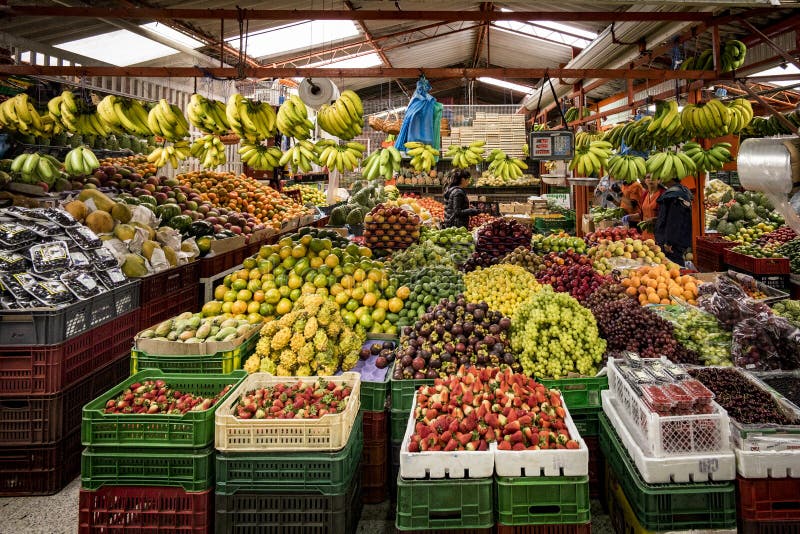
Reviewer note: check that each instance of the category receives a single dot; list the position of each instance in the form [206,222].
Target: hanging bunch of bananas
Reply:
[77,116]
[292,119]
[18,114]
[384,162]
[584,139]
[634,134]
[669,164]
[760,126]
[260,157]
[627,169]
[708,160]
[167,121]
[742,114]
[80,161]
[712,119]
[344,118]
[423,157]
[732,56]
[34,168]
[124,115]
[342,158]
[589,161]
[208,115]
[209,150]
[251,120]
[572,114]
[300,157]
[666,129]
[505,167]
[173,154]
[466,156]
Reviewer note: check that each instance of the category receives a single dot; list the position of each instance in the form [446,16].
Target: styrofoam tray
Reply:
[768,464]
[705,467]
[548,462]
[441,464]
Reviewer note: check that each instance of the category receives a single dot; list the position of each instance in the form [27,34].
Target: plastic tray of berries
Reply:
[157,409]
[289,414]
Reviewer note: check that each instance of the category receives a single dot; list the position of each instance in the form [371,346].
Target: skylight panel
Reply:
[789,69]
[120,48]
[506,85]
[554,31]
[299,36]
[358,62]
[172,35]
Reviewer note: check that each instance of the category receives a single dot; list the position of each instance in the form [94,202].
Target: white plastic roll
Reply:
[317,91]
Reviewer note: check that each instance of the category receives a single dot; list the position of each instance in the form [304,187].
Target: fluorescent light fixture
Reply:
[506,85]
[298,36]
[120,48]
[788,69]
[173,35]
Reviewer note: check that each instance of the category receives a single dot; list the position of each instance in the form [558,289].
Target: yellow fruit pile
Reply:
[657,284]
[503,287]
[608,255]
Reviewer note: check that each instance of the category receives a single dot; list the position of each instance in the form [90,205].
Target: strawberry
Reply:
[464,438]
[504,446]
[518,447]
[572,444]
[413,446]
[451,445]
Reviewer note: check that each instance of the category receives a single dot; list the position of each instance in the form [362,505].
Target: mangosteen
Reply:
[375,348]
[461,301]
[468,328]
[461,348]
[478,314]
[463,360]
[406,360]
[451,306]
[470,307]
[489,340]
[508,358]
[418,364]
[504,323]
[448,325]
[449,348]
[381,362]
[480,359]
[385,353]
[439,330]
[483,306]
[387,345]
[398,373]
[432,373]
[494,329]
[419,375]
[435,363]
[456,330]
[364,354]
[499,348]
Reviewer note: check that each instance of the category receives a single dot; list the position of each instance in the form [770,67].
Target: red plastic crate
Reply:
[49,370]
[159,310]
[585,528]
[768,499]
[374,472]
[714,243]
[769,527]
[375,425]
[145,509]
[596,466]
[757,265]
[40,470]
[169,282]
[211,266]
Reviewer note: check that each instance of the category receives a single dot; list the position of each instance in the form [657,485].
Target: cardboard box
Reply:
[176,348]
[601,225]
[220,246]
[587,224]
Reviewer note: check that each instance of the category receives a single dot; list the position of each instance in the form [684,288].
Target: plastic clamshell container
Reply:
[668,435]
[657,399]
[545,463]
[443,464]
[699,392]
[327,433]
[190,430]
[706,467]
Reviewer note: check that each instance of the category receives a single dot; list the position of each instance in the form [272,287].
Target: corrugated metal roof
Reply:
[516,51]
[441,52]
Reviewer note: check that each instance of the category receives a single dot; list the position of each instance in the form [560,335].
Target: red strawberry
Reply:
[504,445]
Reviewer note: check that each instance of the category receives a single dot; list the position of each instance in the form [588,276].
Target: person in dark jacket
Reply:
[673,228]
[456,207]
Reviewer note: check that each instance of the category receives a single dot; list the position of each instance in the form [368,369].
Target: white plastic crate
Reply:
[662,436]
[698,468]
[441,464]
[327,433]
[768,464]
[548,462]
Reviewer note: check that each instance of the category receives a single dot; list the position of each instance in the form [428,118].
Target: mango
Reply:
[121,212]
[225,332]
[101,201]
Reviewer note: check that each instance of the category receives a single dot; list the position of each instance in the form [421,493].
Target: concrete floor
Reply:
[58,514]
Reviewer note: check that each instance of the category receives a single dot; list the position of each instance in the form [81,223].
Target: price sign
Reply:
[552,145]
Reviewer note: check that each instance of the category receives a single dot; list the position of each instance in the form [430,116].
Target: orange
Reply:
[244,295]
[258,296]
[403,292]
[653,298]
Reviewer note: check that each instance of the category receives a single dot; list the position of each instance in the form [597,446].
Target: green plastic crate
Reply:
[445,504]
[327,473]
[190,430]
[579,393]
[542,500]
[587,421]
[404,391]
[192,470]
[710,505]
[222,362]
[374,395]
[398,420]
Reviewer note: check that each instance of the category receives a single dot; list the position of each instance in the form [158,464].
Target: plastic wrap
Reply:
[698,331]
[728,302]
[766,342]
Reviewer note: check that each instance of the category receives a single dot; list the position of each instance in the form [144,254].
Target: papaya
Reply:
[101,201]
[121,212]
[100,222]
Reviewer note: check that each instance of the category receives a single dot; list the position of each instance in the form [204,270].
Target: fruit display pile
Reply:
[459,242]
[616,233]
[193,328]
[430,285]
[310,194]
[455,414]
[157,397]
[558,243]
[481,259]
[524,257]
[791,250]
[700,332]
[476,221]
[580,281]
[418,256]
[657,285]
[434,207]
[608,291]
[299,400]
[503,287]
[391,228]
[745,217]
[501,236]
[790,309]
[627,326]
[627,253]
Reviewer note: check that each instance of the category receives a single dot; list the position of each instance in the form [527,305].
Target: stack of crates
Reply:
[290,475]
[665,471]
[402,398]
[52,362]
[143,471]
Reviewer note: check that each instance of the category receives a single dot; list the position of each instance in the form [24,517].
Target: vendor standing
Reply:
[674,221]
[648,212]
[456,206]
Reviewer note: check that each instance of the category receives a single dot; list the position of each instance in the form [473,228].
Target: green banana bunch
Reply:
[210,116]
[589,161]
[260,157]
[251,120]
[342,158]
[505,167]
[732,56]
[709,120]
[18,114]
[633,133]
[742,114]
[760,127]
[167,121]
[666,165]
[292,119]
[584,139]
[572,114]
[708,160]
[209,150]
[124,115]
[80,161]
[627,169]
[76,116]
[172,154]
[423,157]
[35,168]
[466,156]
[382,163]
[300,157]
[344,118]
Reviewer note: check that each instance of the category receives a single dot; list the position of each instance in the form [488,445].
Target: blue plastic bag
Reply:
[418,123]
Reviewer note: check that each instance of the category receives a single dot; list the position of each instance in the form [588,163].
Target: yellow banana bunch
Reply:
[251,120]
[35,168]
[300,157]
[207,115]
[589,161]
[669,164]
[504,167]
[334,156]
[344,118]
[172,154]
[292,119]
[741,115]
[384,162]
[260,157]
[124,115]
[627,169]
[712,119]
[584,139]
[18,114]
[166,120]
[76,116]
[708,160]
[466,156]
[423,157]
[80,161]
[209,150]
